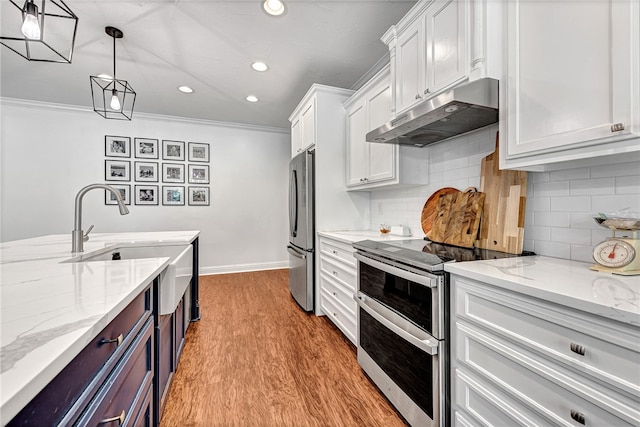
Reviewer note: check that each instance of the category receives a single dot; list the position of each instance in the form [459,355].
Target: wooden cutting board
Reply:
[502,225]
[458,218]
[431,206]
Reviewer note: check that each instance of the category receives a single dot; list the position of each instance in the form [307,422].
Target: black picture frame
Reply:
[145,148]
[145,171]
[173,172]
[117,146]
[198,174]
[117,170]
[198,152]
[172,150]
[199,196]
[125,192]
[146,194]
[173,195]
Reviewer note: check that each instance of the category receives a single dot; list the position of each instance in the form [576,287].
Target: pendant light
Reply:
[112,98]
[28,37]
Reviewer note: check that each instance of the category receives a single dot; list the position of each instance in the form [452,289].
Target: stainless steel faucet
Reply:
[78,237]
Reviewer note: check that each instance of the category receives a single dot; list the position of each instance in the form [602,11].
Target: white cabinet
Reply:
[572,91]
[430,50]
[517,360]
[375,165]
[303,126]
[338,284]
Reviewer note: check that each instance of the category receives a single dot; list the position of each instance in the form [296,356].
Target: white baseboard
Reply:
[241,268]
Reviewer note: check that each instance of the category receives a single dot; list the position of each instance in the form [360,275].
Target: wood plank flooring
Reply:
[256,359]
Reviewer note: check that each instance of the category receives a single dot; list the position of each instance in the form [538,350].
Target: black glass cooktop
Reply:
[427,254]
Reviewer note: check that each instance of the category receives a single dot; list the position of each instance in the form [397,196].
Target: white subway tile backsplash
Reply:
[560,204]
[550,189]
[571,204]
[628,185]
[589,187]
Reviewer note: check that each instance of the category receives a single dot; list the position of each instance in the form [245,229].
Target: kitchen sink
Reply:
[174,279]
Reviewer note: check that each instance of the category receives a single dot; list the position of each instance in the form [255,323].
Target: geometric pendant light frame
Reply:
[104,90]
[58,27]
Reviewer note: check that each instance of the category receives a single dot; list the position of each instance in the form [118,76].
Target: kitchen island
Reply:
[51,309]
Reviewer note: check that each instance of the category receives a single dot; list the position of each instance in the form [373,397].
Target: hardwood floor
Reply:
[256,359]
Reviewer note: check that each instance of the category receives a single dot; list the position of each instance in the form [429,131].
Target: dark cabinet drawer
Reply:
[125,392]
[82,377]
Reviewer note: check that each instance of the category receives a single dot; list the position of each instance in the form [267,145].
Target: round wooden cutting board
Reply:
[431,206]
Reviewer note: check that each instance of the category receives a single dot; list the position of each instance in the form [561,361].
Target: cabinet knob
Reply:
[334,273]
[577,416]
[118,340]
[426,91]
[119,419]
[335,252]
[577,348]
[418,96]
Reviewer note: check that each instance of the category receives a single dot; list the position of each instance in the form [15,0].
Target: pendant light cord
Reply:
[114,60]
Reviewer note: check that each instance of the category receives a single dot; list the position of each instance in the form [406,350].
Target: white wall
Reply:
[49,152]
[560,204]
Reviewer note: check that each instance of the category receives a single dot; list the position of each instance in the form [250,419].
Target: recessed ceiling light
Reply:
[252,98]
[185,89]
[259,66]
[105,77]
[273,7]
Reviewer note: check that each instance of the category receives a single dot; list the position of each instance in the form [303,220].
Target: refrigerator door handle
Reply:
[295,253]
[293,203]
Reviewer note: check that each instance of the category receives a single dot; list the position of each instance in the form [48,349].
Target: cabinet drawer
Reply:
[478,400]
[339,251]
[345,274]
[81,378]
[556,393]
[125,391]
[338,292]
[557,333]
[339,315]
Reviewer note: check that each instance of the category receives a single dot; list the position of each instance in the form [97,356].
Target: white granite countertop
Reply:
[569,283]
[351,236]
[51,310]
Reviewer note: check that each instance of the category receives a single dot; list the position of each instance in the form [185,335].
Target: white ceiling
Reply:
[209,45]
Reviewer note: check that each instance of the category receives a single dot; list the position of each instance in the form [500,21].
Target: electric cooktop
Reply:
[426,254]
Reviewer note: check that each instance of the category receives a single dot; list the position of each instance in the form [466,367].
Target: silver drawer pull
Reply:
[578,349]
[617,127]
[118,340]
[119,419]
[577,416]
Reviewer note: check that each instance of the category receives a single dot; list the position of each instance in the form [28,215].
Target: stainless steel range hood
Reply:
[455,112]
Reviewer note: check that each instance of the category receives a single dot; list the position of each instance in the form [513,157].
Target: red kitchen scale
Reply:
[620,253]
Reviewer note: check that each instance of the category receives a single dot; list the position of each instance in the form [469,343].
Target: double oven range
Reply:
[403,322]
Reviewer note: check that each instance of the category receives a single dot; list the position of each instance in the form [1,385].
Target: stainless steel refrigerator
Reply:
[301,229]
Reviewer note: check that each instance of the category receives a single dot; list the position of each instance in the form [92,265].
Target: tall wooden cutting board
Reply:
[502,224]
[457,218]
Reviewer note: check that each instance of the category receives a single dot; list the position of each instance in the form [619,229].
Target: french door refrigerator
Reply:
[301,229]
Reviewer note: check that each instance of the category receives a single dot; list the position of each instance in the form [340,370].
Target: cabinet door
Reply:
[409,69]
[570,83]
[309,124]
[358,153]
[381,156]
[446,44]
[296,138]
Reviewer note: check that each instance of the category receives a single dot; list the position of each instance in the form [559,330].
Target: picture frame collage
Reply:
[156,163]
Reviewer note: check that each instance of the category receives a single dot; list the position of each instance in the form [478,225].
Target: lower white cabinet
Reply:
[517,360]
[338,283]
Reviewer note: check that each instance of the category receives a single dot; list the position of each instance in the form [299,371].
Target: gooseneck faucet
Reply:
[78,237]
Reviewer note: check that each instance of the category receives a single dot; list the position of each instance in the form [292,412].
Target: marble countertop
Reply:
[569,283]
[50,310]
[351,236]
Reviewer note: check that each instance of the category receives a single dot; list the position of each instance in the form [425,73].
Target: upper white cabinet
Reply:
[438,44]
[303,126]
[376,165]
[572,90]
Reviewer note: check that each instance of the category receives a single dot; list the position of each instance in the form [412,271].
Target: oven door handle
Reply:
[428,345]
[396,271]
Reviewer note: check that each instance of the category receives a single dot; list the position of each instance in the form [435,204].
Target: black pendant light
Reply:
[112,98]
[45,31]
